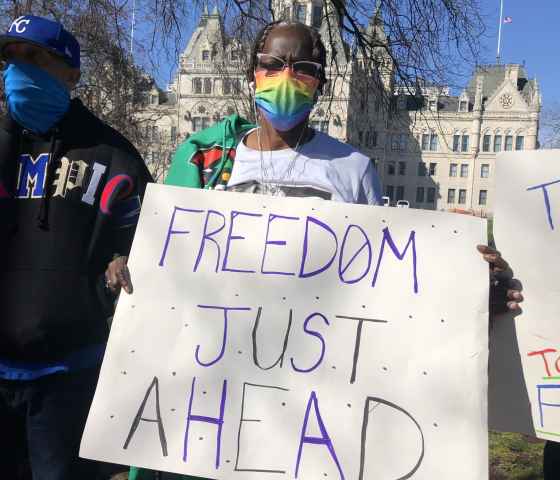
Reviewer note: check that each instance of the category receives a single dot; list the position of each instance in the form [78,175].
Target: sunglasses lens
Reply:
[306,68]
[274,65]
[270,64]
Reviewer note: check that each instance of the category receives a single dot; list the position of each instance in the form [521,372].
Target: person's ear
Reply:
[250,76]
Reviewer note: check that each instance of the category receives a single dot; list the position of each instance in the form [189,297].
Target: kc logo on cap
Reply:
[19,24]
[44,33]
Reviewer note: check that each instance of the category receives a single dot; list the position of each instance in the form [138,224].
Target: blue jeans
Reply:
[41,424]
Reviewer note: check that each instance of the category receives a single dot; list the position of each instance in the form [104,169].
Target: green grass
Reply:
[512,457]
[515,457]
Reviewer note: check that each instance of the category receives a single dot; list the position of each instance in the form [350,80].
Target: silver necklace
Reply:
[273,188]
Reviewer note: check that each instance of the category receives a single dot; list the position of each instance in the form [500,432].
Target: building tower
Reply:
[376,36]
[310,12]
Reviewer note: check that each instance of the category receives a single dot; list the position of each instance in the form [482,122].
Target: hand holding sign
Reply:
[505,292]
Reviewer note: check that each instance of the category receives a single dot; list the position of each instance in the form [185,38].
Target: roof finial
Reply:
[376,19]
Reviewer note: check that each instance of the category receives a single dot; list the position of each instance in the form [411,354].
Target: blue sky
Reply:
[533,37]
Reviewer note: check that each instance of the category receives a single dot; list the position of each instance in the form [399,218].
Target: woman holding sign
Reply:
[281,155]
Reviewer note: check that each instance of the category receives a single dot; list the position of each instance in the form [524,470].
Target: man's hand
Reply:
[505,291]
[117,276]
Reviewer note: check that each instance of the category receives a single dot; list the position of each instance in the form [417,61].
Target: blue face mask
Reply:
[36,100]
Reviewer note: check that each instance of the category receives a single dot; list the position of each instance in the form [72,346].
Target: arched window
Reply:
[317,16]
[236,86]
[434,142]
[425,140]
[300,13]
[207,86]
[226,86]
[486,140]
[456,141]
[508,141]
[497,141]
[520,140]
[465,143]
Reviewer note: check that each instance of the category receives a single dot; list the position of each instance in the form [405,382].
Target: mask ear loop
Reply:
[255,112]
[264,169]
[258,129]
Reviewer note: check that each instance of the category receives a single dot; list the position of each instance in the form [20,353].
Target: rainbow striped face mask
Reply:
[285,96]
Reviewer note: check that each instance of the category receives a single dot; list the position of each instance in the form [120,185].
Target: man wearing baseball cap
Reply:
[70,191]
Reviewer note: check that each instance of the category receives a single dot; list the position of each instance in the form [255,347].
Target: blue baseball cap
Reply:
[43,33]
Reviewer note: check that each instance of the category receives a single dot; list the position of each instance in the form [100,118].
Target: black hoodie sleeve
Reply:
[122,198]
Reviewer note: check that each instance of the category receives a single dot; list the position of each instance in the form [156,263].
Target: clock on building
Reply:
[506,100]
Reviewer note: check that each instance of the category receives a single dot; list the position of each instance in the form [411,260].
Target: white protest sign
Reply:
[527,233]
[285,338]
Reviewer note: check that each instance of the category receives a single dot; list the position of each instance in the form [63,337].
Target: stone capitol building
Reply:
[436,153]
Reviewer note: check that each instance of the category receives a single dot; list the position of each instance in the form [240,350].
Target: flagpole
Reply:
[500,31]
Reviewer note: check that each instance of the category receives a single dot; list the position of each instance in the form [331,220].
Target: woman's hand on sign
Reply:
[505,291]
[117,276]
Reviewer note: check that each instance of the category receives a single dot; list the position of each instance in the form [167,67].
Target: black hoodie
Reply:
[69,201]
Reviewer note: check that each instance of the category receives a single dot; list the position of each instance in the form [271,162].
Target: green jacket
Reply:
[204,160]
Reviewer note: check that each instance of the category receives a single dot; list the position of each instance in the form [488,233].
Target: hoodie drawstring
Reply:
[43,216]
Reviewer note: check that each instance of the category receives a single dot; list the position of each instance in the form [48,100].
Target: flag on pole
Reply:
[508,20]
